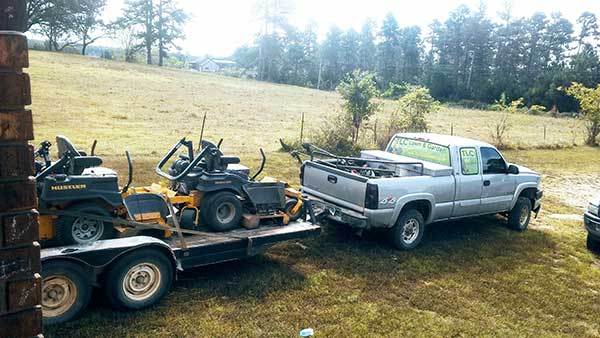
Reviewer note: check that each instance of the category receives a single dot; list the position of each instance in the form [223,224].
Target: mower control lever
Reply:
[262,164]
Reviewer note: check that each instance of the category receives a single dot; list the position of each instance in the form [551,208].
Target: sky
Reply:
[218,27]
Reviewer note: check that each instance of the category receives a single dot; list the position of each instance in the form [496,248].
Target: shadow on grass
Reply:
[462,251]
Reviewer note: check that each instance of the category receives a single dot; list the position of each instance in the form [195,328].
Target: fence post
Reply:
[302,129]
[451,129]
[20,281]
[544,133]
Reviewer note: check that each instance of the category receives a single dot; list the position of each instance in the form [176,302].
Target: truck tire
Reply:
[138,280]
[408,231]
[66,292]
[593,244]
[80,230]
[519,216]
[222,211]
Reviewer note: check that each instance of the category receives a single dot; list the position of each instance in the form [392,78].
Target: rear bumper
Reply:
[368,219]
[592,224]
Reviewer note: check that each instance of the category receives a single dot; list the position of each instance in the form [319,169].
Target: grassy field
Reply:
[470,278]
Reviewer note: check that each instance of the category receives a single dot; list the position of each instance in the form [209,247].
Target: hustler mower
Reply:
[81,202]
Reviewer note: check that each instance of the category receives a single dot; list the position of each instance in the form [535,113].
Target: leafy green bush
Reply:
[589,101]
[396,90]
[537,110]
[358,91]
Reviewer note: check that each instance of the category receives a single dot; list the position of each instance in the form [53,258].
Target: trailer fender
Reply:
[96,257]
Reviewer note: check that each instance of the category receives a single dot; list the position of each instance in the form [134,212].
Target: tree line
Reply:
[149,26]
[467,57]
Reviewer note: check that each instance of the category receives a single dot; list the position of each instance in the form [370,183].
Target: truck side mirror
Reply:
[513,169]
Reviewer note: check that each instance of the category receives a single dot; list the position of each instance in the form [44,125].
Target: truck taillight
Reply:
[372,196]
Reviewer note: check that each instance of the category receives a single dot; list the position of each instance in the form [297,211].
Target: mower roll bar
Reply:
[194,160]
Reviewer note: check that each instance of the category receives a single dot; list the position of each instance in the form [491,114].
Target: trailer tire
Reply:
[138,280]
[520,214]
[222,211]
[70,230]
[66,292]
[408,231]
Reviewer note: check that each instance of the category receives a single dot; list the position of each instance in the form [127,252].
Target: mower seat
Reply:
[80,163]
[63,144]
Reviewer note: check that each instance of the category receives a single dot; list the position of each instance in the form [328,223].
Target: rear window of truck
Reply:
[420,150]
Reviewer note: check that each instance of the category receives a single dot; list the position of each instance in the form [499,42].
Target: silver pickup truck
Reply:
[419,179]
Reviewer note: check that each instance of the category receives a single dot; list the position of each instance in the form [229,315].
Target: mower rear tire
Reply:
[222,211]
[80,230]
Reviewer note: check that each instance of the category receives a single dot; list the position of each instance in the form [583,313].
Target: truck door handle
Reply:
[486,183]
[332,179]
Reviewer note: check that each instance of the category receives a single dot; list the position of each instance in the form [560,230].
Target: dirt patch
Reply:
[573,190]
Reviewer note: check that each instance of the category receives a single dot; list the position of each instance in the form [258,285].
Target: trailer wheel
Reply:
[222,211]
[408,231]
[289,210]
[66,292]
[519,216]
[138,280]
[82,230]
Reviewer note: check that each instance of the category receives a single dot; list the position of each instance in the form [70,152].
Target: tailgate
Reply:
[334,185]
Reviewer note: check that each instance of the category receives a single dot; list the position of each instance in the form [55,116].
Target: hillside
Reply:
[469,278]
[147,109]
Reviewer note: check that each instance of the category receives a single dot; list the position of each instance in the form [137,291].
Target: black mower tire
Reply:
[68,282]
[289,205]
[63,227]
[223,211]
[403,239]
[515,222]
[593,244]
[138,280]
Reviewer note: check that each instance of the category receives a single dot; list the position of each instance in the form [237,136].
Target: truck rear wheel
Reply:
[408,231]
[138,280]
[222,211]
[519,216]
[81,230]
[66,292]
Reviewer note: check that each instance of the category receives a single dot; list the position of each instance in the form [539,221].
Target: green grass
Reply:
[470,278]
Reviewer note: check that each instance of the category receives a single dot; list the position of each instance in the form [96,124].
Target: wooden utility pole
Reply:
[20,282]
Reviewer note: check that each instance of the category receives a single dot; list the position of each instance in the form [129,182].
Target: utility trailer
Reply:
[136,272]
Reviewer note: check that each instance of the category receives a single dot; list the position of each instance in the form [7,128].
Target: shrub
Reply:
[537,110]
[500,131]
[410,115]
[336,135]
[358,90]
[589,101]
[396,90]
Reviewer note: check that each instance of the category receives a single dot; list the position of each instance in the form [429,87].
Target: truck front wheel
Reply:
[138,280]
[593,244]
[66,292]
[408,231]
[519,216]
